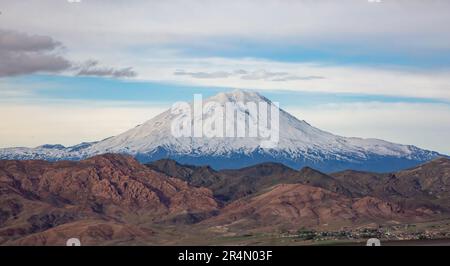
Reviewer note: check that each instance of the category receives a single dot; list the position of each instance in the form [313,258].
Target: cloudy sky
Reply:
[73,72]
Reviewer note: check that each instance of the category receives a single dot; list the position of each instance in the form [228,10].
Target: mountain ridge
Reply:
[288,206]
[425,185]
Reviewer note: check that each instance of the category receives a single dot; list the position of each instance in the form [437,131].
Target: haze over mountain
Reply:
[300,144]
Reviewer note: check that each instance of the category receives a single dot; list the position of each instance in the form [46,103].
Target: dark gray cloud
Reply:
[22,54]
[247,75]
[14,64]
[18,41]
[92,68]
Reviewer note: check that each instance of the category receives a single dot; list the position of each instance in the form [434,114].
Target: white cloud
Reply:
[343,79]
[175,21]
[147,36]
[260,74]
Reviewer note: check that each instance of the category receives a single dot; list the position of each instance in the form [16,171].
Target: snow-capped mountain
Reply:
[300,144]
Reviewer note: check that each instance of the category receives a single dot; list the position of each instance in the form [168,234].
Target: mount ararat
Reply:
[300,145]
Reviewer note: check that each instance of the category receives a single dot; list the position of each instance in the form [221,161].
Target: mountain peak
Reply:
[238,95]
[298,144]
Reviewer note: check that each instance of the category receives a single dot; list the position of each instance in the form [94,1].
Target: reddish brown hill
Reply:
[425,185]
[293,206]
[230,185]
[38,195]
[113,199]
[90,232]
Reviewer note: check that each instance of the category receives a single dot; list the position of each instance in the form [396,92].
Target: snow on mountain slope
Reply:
[300,144]
[47,152]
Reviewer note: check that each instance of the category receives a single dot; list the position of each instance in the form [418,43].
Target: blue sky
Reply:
[53,87]
[89,70]
[332,53]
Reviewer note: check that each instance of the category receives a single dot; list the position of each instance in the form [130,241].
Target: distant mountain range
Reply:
[115,200]
[300,144]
